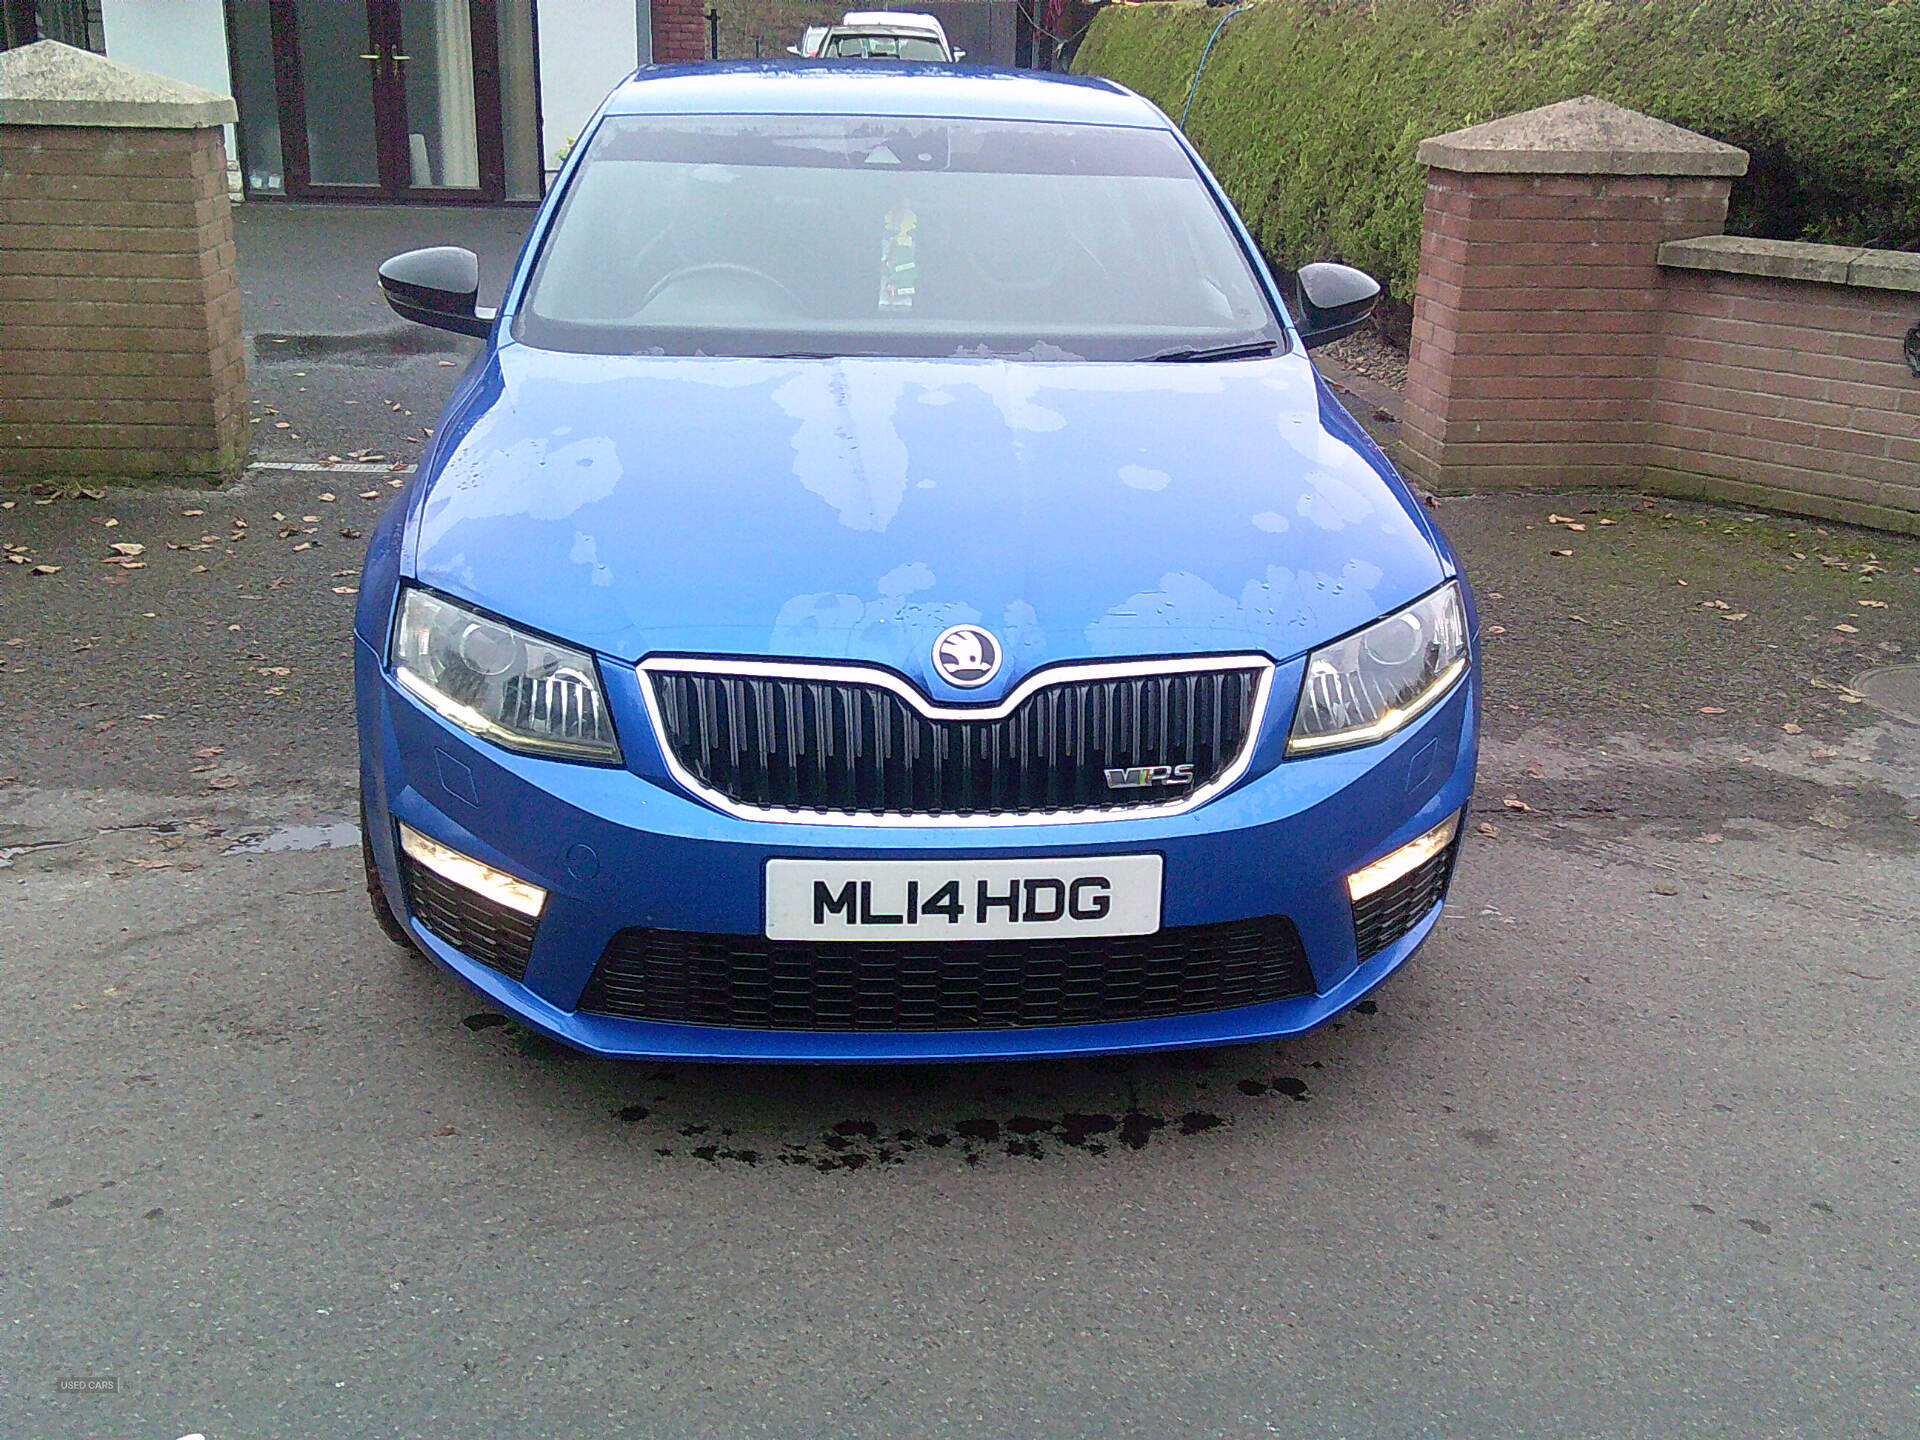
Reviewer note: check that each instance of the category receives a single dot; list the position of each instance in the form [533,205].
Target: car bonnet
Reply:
[855,509]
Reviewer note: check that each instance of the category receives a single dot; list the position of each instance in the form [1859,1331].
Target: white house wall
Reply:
[586,48]
[181,39]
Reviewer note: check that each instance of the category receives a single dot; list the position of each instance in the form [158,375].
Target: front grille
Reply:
[1387,914]
[820,744]
[745,982]
[477,927]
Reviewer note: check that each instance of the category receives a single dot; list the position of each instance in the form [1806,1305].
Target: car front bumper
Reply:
[616,848]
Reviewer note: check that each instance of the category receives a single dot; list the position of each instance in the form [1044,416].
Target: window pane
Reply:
[519,108]
[256,98]
[339,85]
[442,141]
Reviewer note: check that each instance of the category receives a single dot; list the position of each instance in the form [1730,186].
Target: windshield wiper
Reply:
[1239,350]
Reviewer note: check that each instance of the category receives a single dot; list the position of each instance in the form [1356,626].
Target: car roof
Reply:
[884,87]
[890,19]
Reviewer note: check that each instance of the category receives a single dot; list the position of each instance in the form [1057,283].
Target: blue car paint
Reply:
[853,509]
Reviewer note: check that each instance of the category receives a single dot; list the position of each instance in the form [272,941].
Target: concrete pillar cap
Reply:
[1587,136]
[47,83]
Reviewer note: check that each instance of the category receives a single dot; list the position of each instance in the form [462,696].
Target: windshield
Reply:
[885,47]
[780,235]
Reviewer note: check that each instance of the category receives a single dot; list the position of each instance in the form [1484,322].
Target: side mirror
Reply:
[1335,300]
[437,287]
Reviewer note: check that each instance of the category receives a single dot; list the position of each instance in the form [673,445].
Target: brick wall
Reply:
[679,31]
[1580,319]
[120,348]
[1537,321]
[1788,393]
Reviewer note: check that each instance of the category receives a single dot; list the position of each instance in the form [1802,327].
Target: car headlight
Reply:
[1367,686]
[500,683]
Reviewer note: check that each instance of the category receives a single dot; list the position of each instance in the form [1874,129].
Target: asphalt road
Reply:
[1628,1150]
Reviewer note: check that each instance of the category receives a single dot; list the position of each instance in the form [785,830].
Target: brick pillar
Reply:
[679,31]
[1537,317]
[120,349]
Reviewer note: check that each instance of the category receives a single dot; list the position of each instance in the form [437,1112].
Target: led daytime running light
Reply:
[470,874]
[1402,862]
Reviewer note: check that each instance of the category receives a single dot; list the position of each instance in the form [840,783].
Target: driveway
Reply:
[1628,1150]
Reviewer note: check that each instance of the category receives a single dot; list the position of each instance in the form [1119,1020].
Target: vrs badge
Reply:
[1141,777]
[966,656]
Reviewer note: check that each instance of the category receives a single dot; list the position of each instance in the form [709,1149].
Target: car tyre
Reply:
[376,892]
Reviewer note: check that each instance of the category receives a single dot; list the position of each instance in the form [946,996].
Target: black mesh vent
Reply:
[1384,916]
[477,927]
[852,747]
[745,982]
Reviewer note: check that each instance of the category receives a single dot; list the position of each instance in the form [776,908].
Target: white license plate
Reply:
[962,900]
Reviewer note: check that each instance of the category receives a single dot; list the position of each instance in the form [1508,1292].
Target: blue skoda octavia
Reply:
[892,587]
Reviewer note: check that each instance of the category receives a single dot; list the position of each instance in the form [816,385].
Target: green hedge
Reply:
[1310,110]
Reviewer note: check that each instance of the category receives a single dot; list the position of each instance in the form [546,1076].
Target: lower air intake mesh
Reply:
[477,927]
[746,982]
[1387,914]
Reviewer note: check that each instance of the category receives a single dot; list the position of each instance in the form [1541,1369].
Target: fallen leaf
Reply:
[1679,582]
[326,495]
[44,570]
[1563,552]
[1822,754]
[273,670]
[1496,630]
[1872,604]
[1791,728]
[1489,828]
[1609,522]
[1848,629]
[222,782]
[1575,525]
[346,589]
[1734,615]
[304,545]
[1712,710]
[1514,802]
[127,547]
[369,494]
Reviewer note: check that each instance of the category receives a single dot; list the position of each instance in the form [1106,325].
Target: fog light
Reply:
[470,874]
[1404,861]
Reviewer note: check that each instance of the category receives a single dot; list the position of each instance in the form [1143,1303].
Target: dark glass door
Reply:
[388,99]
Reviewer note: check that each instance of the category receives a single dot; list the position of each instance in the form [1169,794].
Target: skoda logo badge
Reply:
[966,656]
